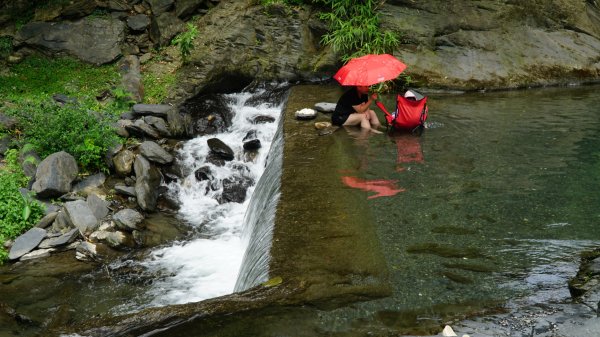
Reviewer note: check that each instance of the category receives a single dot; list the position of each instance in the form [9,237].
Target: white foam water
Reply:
[208,266]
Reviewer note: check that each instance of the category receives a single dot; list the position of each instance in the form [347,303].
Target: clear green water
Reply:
[494,215]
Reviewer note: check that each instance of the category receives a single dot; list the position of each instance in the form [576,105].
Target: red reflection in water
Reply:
[408,149]
[383,188]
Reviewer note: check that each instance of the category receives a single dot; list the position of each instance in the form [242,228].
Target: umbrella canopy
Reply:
[369,69]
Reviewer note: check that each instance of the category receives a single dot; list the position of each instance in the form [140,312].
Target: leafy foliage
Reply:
[17,213]
[156,87]
[85,134]
[185,41]
[354,29]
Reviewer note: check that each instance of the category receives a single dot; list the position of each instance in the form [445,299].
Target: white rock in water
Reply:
[466,336]
[448,332]
[306,114]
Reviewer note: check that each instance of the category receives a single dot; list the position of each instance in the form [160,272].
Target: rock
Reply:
[62,223]
[60,240]
[26,242]
[251,145]
[86,251]
[55,175]
[234,189]
[90,184]
[159,124]
[155,153]
[160,6]
[7,122]
[128,219]
[148,179]
[123,162]
[98,206]
[5,141]
[119,239]
[325,107]
[94,40]
[138,22]
[305,114]
[38,253]
[220,149]
[125,190]
[262,120]
[205,173]
[164,27]
[448,332]
[322,125]
[81,216]
[131,78]
[47,220]
[141,129]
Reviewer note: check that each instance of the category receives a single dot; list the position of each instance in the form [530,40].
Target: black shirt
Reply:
[345,104]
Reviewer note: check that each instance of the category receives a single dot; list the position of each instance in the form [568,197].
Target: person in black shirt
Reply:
[353,109]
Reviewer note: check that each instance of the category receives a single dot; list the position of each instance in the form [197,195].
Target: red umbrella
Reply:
[369,69]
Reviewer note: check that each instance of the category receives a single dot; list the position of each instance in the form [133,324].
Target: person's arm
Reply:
[361,108]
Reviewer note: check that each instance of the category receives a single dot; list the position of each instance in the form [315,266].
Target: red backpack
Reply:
[411,112]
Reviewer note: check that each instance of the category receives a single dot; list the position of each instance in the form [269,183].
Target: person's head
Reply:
[362,89]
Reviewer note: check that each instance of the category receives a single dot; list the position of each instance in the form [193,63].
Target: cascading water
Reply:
[207,266]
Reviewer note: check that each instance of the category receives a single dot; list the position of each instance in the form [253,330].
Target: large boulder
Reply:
[81,216]
[54,175]
[148,179]
[94,40]
[155,153]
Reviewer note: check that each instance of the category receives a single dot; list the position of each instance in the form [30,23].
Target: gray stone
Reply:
[142,129]
[47,220]
[125,190]
[90,184]
[60,240]
[159,110]
[164,27]
[54,175]
[119,239]
[148,179]
[7,122]
[86,251]
[138,22]
[94,40]
[128,219]
[325,107]
[62,223]
[81,216]
[155,153]
[98,206]
[159,124]
[26,242]
[131,77]
[160,6]
[38,253]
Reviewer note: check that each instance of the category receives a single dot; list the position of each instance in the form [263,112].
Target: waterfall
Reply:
[207,264]
[260,218]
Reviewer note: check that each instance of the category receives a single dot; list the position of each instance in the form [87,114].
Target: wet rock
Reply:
[86,251]
[81,216]
[119,239]
[54,175]
[128,219]
[26,243]
[205,173]
[262,120]
[325,107]
[38,253]
[304,114]
[234,189]
[221,149]
[155,153]
[252,145]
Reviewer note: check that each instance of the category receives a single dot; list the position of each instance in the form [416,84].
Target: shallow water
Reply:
[499,195]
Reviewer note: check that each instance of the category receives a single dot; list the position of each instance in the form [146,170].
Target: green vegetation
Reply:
[82,128]
[5,46]
[17,213]
[156,87]
[185,41]
[354,29]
